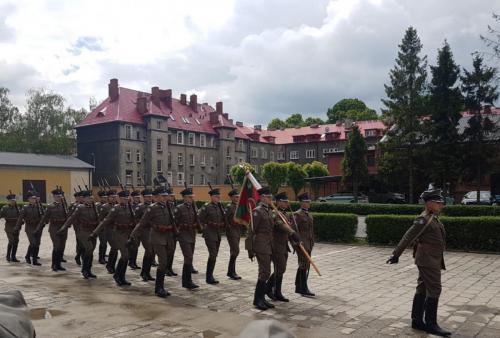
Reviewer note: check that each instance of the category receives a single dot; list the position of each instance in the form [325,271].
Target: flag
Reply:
[248,200]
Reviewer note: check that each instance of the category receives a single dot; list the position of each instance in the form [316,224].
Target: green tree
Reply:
[275,175]
[316,169]
[11,122]
[276,124]
[492,40]
[353,109]
[295,120]
[313,120]
[238,171]
[478,90]
[354,163]
[296,176]
[405,103]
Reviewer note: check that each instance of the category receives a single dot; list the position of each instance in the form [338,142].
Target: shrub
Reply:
[335,227]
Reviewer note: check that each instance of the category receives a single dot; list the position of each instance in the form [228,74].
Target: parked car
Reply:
[344,197]
[495,199]
[470,198]
[386,197]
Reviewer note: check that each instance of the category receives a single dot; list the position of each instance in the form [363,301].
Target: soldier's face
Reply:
[283,204]
[87,200]
[57,198]
[235,198]
[188,199]
[32,200]
[163,198]
[148,199]
[215,198]
[171,198]
[123,200]
[12,202]
[104,199]
[305,205]
[265,199]
[435,207]
[137,199]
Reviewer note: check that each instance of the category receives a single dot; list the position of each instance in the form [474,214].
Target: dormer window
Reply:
[101,114]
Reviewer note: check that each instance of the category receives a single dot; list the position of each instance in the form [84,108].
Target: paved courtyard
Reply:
[358,295]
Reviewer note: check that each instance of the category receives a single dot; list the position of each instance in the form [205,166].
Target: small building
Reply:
[21,172]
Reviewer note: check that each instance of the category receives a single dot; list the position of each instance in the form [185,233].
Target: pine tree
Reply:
[354,163]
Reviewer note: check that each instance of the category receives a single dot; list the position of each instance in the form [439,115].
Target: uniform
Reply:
[233,235]
[79,247]
[305,222]
[31,215]
[170,272]
[10,213]
[103,240]
[113,250]
[143,237]
[134,248]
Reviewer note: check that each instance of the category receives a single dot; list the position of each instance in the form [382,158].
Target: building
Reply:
[19,171]
[138,136]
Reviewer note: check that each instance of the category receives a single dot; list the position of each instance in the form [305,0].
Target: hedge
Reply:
[335,227]
[462,233]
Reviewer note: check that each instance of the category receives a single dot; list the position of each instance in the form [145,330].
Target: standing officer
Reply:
[31,215]
[304,222]
[85,219]
[56,214]
[233,234]
[143,235]
[171,205]
[428,234]
[10,212]
[162,236]
[134,250]
[213,220]
[264,221]
[101,206]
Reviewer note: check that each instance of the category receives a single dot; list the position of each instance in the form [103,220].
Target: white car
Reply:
[471,198]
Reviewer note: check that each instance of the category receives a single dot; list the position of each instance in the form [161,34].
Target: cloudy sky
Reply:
[263,58]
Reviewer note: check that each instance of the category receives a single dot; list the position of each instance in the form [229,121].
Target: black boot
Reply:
[79,253]
[85,268]
[59,260]
[270,287]
[54,261]
[160,285]
[27,258]
[277,290]
[13,257]
[146,269]
[9,250]
[210,272]
[125,282]
[431,307]
[231,269]
[132,261]
[170,271]
[298,282]
[89,267]
[258,298]
[305,289]
[417,312]
[110,265]
[34,253]
[187,281]
[102,255]
[117,274]
[193,270]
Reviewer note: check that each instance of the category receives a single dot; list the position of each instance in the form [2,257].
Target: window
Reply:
[180,159]
[138,156]
[138,177]
[138,135]
[370,160]
[180,178]
[202,160]
[158,124]
[169,177]
[169,159]
[191,179]
[203,180]
[128,177]
[311,153]
[159,166]
[241,145]
[294,155]
[370,132]
[228,152]
[191,139]
[203,140]
[212,142]
[254,152]
[159,145]
[263,153]
[191,160]
[271,155]
[197,121]
[228,169]
[280,156]
[128,156]
[180,137]
[128,131]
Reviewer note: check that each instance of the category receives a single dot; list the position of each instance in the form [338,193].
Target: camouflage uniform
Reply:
[10,213]
[30,215]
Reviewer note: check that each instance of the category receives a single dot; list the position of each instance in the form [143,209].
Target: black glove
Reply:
[295,238]
[393,260]
[130,242]
[92,236]
[251,255]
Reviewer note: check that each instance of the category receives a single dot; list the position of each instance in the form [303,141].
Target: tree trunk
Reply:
[410,178]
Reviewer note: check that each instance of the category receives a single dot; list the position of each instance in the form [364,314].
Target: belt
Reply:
[188,226]
[123,226]
[215,225]
[57,221]
[163,228]
[88,224]
[7,219]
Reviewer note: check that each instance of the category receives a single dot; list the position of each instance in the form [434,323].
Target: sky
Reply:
[262,58]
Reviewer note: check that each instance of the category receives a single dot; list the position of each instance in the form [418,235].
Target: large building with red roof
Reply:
[141,135]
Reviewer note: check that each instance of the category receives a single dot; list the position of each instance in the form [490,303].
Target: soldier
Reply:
[304,221]
[279,256]
[121,219]
[428,235]
[31,215]
[103,208]
[143,236]
[113,250]
[171,203]
[264,221]
[10,212]
[233,234]
[162,236]
[56,214]
[79,248]
[134,250]
[186,220]
[85,219]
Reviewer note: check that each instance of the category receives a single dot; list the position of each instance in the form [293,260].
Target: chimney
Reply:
[226,116]
[142,105]
[166,96]
[257,127]
[193,102]
[239,124]
[183,99]
[155,96]
[219,108]
[113,90]
[214,117]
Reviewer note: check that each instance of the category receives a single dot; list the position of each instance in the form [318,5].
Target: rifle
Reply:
[132,213]
[63,201]
[230,180]
[39,207]
[219,204]
[15,204]
[195,210]
[105,180]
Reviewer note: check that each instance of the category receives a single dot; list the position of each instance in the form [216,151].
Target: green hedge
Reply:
[462,233]
[335,227]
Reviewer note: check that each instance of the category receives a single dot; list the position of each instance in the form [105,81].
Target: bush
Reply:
[335,227]
[462,233]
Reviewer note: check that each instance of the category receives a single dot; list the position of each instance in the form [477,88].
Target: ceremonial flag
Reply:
[248,199]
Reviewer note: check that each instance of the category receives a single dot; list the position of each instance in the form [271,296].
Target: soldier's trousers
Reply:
[303,262]
[213,249]
[187,249]
[58,240]
[234,245]
[33,237]
[264,261]
[279,261]
[12,235]
[112,243]
[164,251]
[88,245]
[145,240]
[429,281]
[103,241]
[120,238]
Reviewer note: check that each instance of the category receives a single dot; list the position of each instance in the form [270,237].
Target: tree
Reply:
[11,137]
[353,109]
[445,105]
[493,39]
[295,120]
[478,90]
[316,169]
[276,124]
[354,162]
[238,171]
[405,103]
[313,120]
[275,175]
[296,176]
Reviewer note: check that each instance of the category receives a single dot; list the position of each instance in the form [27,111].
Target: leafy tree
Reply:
[313,120]
[9,114]
[354,162]
[295,120]
[353,109]
[296,176]
[238,171]
[275,175]
[316,169]
[276,124]
[478,90]
[493,38]
[405,103]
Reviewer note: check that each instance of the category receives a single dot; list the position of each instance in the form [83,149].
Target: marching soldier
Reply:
[186,219]
[103,208]
[10,212]
[134,250]
[213,220]
[162,236]
[79,247]
[143,236]
[264,221]
[121,219]
[304,222]
[85,219]
[31,215]
[428,236]
[233,234]
[279,256]
[113,250]
[56,214]
[171,204]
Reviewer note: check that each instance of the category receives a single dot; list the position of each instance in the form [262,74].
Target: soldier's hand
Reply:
[92,236]
[251,255]
[295,238]
[393,260]
[130,242]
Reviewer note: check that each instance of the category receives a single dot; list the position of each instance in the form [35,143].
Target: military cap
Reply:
[432,195]
[102,193]
[57,192]
[233,192]
[112,193]
[85,193]
[304,197]
[146,192]
[162,191]
[264,191]
[76,194]
[214,192]
[187,192]
[123,193]
[11,197]
[281,197]
[30,194]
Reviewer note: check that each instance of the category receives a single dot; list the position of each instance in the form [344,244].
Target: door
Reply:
[38,186]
